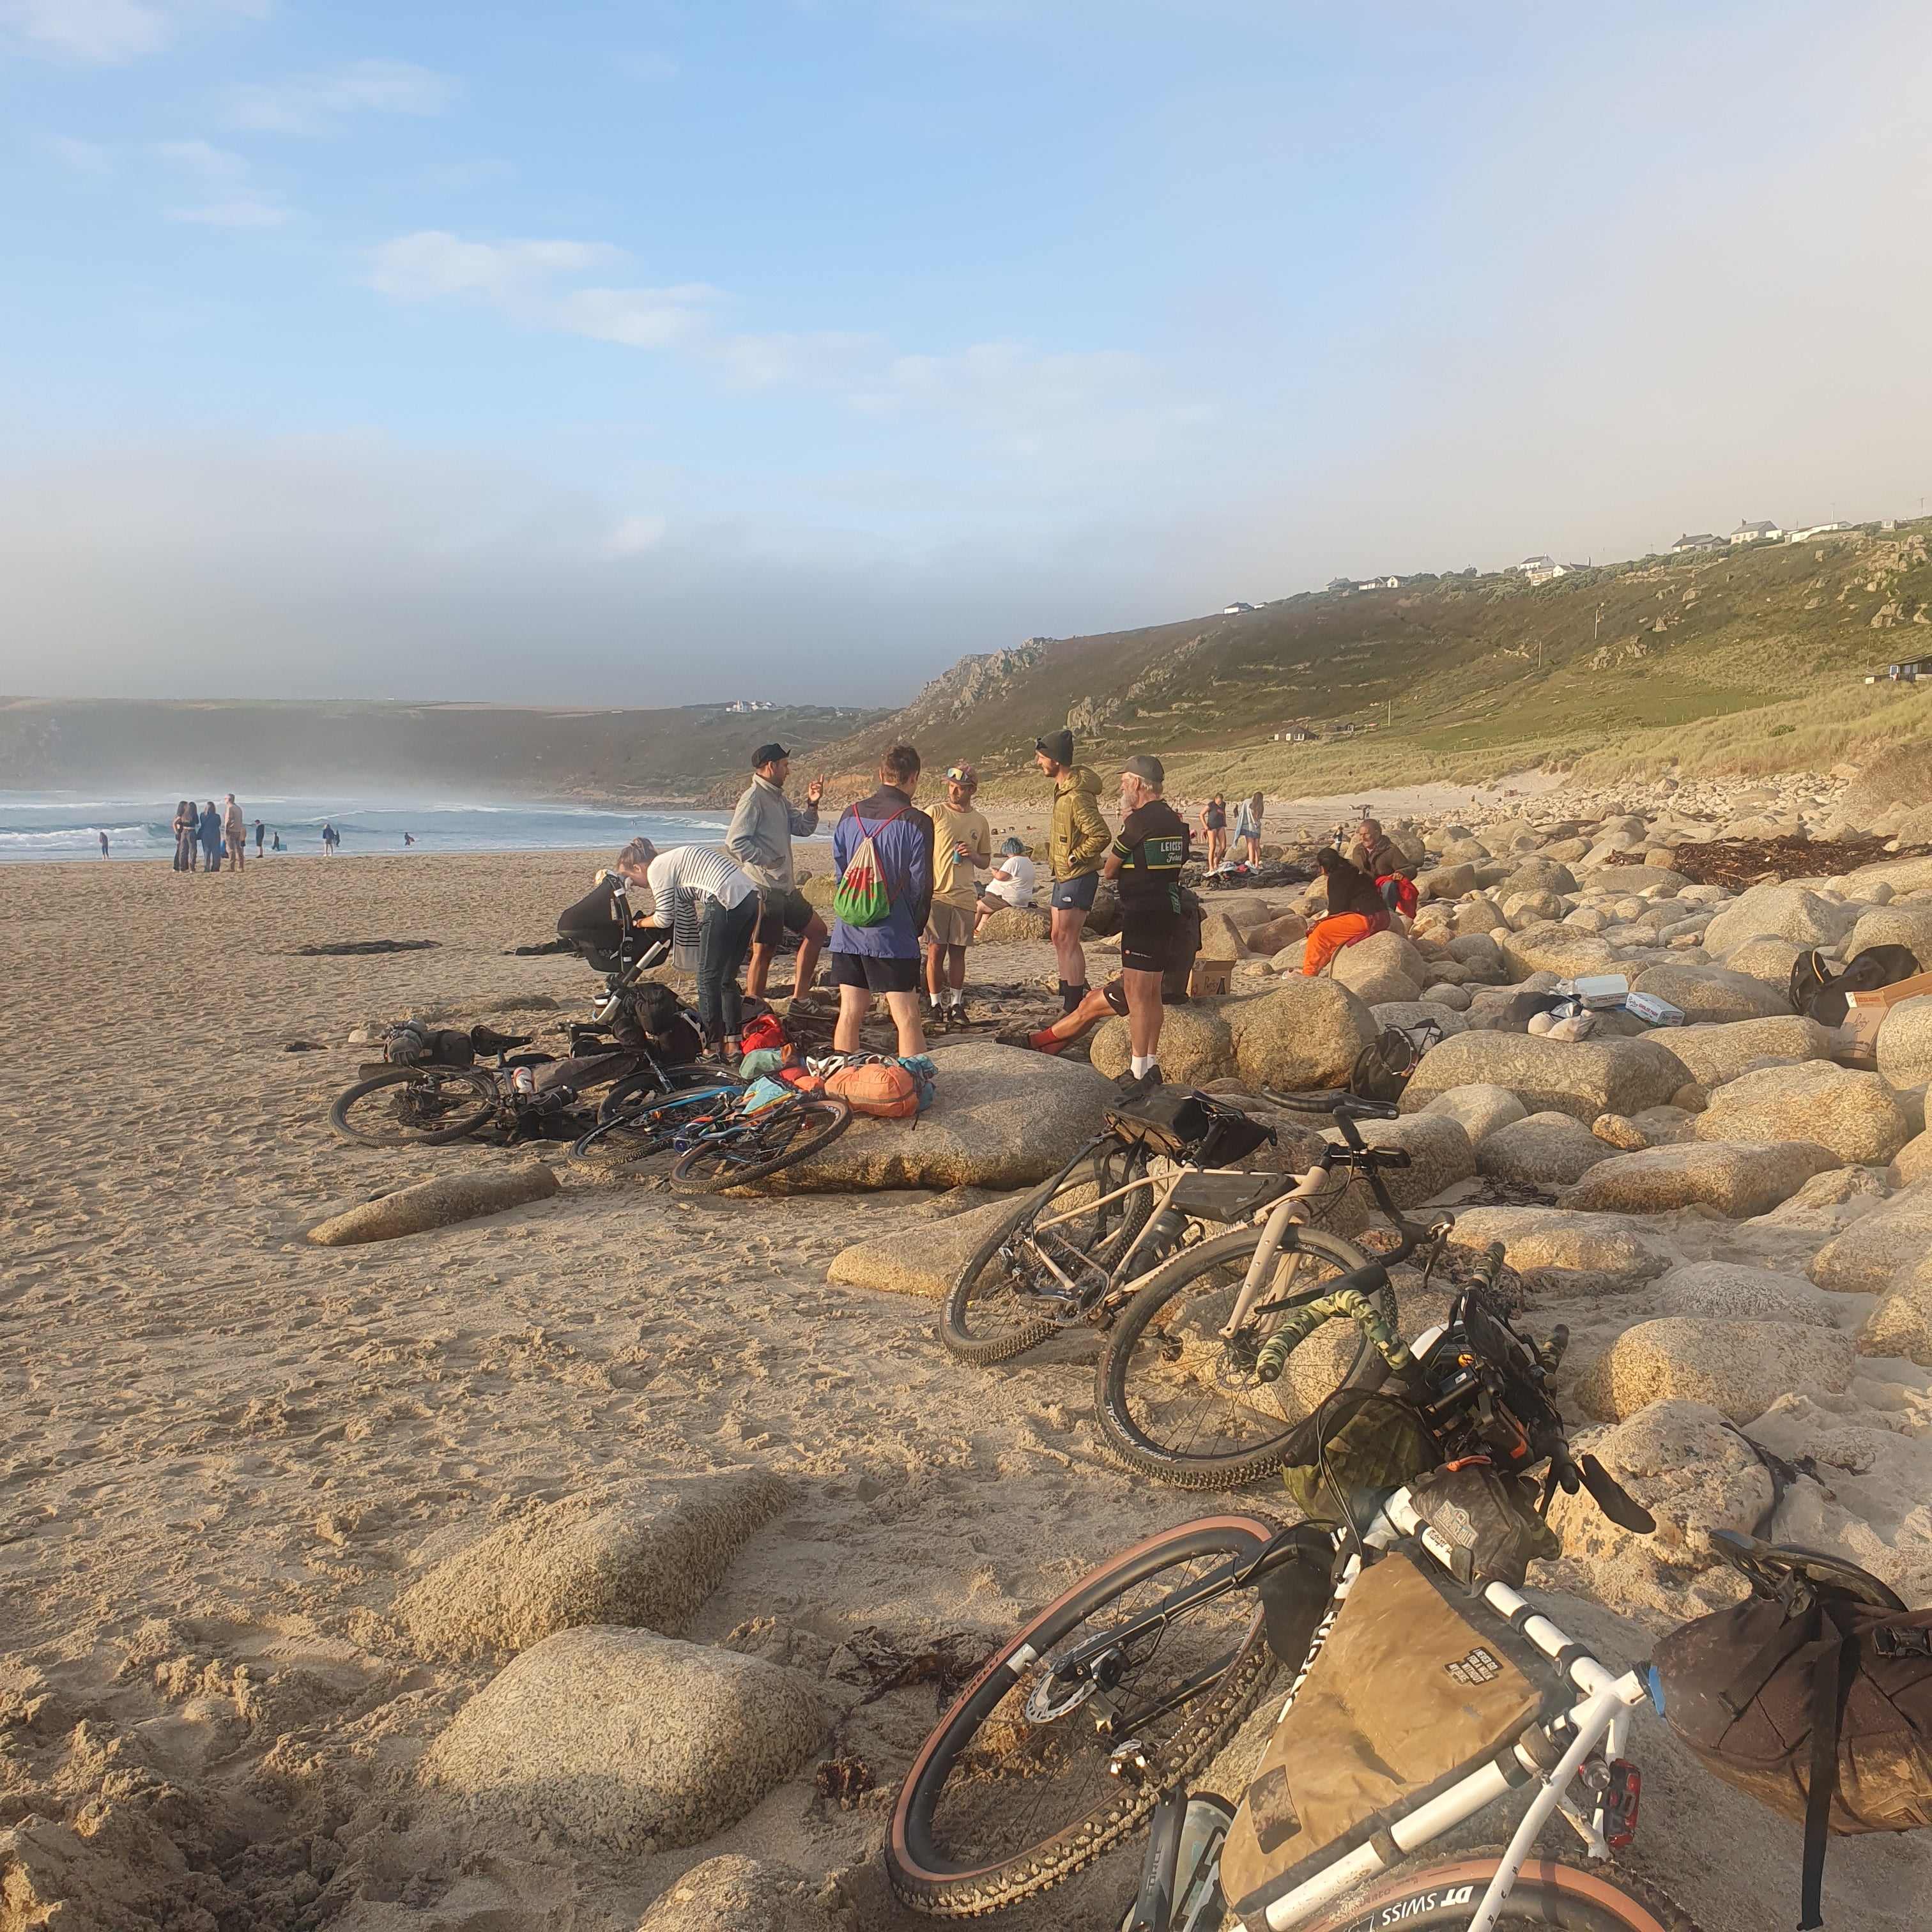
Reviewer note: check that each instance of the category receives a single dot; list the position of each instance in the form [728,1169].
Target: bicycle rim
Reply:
[737,1156]
[1550,1893]
[1009,1296]
[1176,1399]
[414,1106]
[1012,1792]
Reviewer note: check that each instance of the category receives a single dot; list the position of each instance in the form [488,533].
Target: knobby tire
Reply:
[481,1084]
[983,1725]
[1551,1893]
[820,1120]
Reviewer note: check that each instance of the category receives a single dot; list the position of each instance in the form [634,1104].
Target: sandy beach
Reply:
[227,1451]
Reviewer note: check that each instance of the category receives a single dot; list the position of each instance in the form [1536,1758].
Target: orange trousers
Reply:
[1327,937]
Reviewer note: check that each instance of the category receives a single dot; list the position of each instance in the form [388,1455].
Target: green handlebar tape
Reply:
[1351,1303]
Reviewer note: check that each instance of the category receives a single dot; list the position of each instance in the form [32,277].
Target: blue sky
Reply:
[649,353]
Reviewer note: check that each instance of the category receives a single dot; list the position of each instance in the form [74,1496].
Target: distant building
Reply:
[753,704]
[1295,734]
[1911,671]
[1814,530]
[1690,546]
[1755,533]
[1235,609]
[1377,583]
[1541,569]
[1344,584]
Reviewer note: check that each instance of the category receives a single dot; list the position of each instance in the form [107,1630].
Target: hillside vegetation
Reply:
[694,752]
[1750,660]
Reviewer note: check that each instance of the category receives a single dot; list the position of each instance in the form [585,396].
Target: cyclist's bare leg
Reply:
[1144,1011]
[811,944]
[755,975]
[1068,923]
[854,1003]
[904,1008]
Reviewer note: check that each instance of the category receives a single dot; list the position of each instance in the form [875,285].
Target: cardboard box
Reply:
[1915,988]
[1602,992]
[1856,1044]
[1649,1007]
[1209,976]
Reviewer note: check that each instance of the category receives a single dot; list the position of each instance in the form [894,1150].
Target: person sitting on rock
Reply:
[1356,908]
[1112,998]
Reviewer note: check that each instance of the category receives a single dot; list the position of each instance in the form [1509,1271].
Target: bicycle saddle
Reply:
[1771,1568]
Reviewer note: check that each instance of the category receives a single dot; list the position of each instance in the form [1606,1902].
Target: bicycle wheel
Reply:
[415,1106]
[1013,1791]
[1176,1399]
[1550,1892]
[737,1154]
[649,1126]
[1014,1291]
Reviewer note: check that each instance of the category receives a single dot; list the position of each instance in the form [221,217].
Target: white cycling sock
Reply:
[955,996]
[1141,1063]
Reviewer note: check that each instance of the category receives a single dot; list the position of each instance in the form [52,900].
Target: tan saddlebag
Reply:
[1417,1687]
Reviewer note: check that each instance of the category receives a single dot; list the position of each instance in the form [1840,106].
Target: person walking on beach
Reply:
[710,908]
[884,959]
[1079,839]
[762,827]
[962,843]
[1146,859]
[104,844]
[331,838]
[188,831]
[211,837]
[1248,827]
[1214,823]
[275,843]
[234,835]
[260,830]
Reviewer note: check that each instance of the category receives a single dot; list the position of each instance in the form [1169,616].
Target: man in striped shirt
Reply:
[712,910]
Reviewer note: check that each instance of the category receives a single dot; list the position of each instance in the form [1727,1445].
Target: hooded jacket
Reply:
[1080,835]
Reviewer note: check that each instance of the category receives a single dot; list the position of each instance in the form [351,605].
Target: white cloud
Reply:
[111,33]
[1079,409]
[203,158]
[634,534]
[83,158]
[245,212]
[318,104]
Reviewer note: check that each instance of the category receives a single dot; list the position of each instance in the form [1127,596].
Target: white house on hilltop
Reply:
[1755,533]
[1235,609]
[1688,546]
[1814,530]
[1541,569]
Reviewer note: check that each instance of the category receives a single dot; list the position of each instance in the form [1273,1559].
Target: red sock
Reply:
[1043,1042]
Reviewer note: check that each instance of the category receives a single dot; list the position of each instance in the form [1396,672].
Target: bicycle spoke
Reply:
[1022,1781]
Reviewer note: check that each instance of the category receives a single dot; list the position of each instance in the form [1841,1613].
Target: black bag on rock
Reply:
[1813,1695]
[1815,990]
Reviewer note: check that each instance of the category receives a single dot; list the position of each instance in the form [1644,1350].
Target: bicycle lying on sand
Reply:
[1095,1716]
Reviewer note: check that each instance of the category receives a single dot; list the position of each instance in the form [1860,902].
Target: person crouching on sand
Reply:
[1356,909]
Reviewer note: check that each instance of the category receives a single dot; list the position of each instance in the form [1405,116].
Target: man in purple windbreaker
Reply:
[885,958]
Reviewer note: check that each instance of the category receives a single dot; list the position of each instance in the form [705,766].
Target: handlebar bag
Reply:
[1375,1444]
[1815,1705]
[1409,1695]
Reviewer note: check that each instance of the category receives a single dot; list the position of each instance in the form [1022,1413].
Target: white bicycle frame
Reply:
[1601,1718]
[1280,1211]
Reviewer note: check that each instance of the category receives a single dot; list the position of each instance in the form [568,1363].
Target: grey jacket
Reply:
[762,830]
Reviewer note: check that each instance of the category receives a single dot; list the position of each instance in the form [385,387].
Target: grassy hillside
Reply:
[694,752]
[1752,659]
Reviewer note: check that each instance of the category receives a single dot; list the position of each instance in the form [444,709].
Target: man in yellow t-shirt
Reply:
[962,841]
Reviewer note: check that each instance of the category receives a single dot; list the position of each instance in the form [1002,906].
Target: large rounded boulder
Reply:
[1307,1033]
[1853,1114]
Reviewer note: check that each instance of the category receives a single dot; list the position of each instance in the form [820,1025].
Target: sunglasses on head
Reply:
[958,774]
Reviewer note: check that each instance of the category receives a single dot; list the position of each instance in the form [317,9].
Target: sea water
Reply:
[50,825]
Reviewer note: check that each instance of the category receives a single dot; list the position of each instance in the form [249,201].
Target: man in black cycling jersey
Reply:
[1144,861]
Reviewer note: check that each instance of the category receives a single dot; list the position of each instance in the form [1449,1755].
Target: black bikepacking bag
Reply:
[415,1043]
[1178,1120]
[1813,1702]
[1815,990]
[1382,1069]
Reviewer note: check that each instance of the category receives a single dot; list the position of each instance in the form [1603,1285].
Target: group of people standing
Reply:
[721,908]
[206,838]
[1247,829]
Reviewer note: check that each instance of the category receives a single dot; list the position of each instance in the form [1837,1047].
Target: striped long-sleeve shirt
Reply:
[681,881]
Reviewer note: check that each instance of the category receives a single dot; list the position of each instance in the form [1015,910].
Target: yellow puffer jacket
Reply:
[1080,834]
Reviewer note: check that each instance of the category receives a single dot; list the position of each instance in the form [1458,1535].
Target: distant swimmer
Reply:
[275,843]
[408,837]
[104,844]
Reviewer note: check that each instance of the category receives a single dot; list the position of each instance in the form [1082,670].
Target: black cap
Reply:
[1058,745]
[1148,770]
[768,754]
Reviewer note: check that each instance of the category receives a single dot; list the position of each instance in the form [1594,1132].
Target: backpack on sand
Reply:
[1815,990]
[862,898]
[413,1043]
[1813,1695]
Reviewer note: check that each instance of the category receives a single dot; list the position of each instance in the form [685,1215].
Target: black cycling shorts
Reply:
[874,974]
[1146,938]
